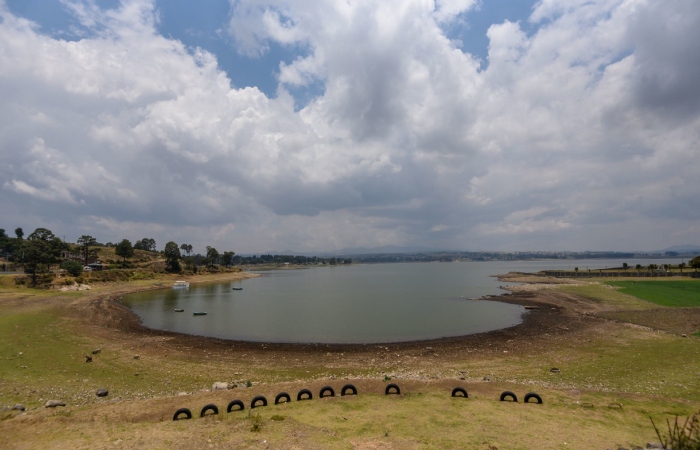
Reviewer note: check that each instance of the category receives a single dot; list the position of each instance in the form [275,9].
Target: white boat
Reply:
[181,285]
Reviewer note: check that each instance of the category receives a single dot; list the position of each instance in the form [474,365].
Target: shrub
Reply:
[678,436]
[72,267]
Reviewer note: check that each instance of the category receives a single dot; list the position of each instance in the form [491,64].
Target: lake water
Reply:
[349,304]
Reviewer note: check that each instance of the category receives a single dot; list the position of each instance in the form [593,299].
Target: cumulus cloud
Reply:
[585,125]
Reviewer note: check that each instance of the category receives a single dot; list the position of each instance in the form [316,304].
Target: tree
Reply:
[638,268]
[85,242]
[72,267]
[147,244]
[212,256]
[625,266]
[681,266]
[172,257]
[19,233]
[187,248]
[695,262]
[333,262]
[124,249]
[227,258]
[41,249]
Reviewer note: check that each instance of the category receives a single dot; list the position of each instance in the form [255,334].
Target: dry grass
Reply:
[649,373]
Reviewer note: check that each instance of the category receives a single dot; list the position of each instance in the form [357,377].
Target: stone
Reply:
[136,356]
[53,404]
[219,386]
[682,335]
[94,352]
[182,394]
[19,407]
[88,358]
[655,445]
[102,392]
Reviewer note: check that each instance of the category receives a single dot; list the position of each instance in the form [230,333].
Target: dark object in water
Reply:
[237,289]
[179,310]
[199,313]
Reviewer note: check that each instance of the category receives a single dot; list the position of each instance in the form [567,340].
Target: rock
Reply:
[19,407]
[682,335]
[182,394]
[487,379]
[22,353]
[88,358]
[136,356]
[219,386]
[94,352]
[654,445]
[102,392]
[53,404]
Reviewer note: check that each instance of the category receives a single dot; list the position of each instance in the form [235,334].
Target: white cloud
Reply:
[589,122]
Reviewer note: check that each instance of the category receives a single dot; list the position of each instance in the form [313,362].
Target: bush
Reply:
[72,267]
[684,436]
[80,280]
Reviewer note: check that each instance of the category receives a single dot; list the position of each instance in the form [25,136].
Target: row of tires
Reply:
[328,391]
[260,400]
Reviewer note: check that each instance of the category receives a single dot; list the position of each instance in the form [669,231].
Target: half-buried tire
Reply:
[460,390]
[282,395]
[234,403]
[256,399]
[185,411]
[393,386]
[325,389]
[304,392]
[507,394]
[348,387]
[209,407]
[530,395]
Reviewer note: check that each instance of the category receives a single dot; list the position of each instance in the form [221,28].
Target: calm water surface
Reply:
[353,304]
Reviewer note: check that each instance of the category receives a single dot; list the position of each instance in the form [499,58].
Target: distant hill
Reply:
[381,250]
[681,249]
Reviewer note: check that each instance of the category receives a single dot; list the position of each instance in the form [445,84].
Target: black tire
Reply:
[348,387]
[256,399]
[530,395]
[325,389]
[209,407]
[393,386]
[510,394]
[233,403]
[184,411]
[282,395]
[304,392]
[461,390]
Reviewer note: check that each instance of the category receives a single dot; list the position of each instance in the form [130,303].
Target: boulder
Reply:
[19,407]
[53,404]
[102,392]
[94,352]
[219,386]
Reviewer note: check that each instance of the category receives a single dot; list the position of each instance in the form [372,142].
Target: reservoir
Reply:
[370,303]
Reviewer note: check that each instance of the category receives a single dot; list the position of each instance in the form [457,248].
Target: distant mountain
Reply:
[681,249]
[354,251]
[381,250]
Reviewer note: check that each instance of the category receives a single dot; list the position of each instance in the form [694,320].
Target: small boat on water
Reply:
[199,313]
[179,310]
[238,289]
[181,285]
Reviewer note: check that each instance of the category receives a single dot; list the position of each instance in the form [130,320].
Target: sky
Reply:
[276,125]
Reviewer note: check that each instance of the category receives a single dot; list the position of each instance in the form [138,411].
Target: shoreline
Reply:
[548,317]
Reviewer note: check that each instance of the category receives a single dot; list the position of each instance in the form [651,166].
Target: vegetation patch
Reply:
[665,293]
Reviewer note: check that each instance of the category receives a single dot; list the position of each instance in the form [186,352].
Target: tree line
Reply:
[42,249]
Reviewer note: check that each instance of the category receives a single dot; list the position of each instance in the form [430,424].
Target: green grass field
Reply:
[664,293]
